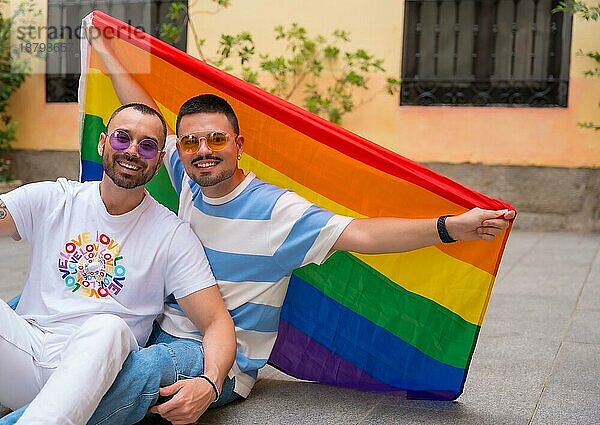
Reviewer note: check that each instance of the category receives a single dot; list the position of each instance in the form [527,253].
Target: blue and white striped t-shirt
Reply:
[254,237]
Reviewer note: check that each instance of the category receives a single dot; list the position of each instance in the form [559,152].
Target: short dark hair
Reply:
[144,109]
[208,104]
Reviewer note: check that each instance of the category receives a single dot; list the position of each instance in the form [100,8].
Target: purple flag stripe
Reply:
[306,359]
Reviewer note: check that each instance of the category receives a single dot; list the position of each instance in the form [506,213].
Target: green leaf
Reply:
[169,33]
[341,34]
[176,11]
[590,125]
[355,79]
[331,52]
[250,76]
[223,3]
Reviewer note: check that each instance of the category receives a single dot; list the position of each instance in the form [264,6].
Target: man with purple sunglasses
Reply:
[104,257]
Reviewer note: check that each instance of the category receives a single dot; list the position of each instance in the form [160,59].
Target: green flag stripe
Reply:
[419,321]
[162,190]
[92,127]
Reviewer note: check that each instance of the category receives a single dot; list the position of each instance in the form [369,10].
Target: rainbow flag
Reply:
[380,322]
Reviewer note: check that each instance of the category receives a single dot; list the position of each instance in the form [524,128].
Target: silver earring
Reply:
[239,156]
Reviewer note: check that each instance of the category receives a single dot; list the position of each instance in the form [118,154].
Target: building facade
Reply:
[492,90]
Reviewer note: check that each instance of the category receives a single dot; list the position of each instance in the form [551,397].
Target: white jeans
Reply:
[62,375]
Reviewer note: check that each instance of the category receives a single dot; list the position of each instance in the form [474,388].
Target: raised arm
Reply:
[127,88]
[7,224]
[385,235]
[207,311]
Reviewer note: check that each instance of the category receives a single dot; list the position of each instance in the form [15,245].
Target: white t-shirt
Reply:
[86,261]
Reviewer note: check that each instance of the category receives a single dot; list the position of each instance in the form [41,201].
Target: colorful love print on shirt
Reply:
[92,267]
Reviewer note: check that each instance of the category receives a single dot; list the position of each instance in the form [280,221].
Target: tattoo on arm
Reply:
[3,211]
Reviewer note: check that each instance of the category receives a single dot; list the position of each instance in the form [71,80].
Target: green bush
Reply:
[589,13]
[314,70]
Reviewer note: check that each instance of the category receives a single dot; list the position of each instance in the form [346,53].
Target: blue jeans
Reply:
[165,360]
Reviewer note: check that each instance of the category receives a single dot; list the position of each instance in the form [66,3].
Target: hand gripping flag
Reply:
[405,321]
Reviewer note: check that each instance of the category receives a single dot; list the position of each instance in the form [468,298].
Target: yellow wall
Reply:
[41,125]
[522,136]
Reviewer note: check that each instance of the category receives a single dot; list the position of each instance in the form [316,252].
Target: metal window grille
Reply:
[485,53]
[64,25]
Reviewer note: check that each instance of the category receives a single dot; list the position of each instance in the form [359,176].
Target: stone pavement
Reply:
[537,360]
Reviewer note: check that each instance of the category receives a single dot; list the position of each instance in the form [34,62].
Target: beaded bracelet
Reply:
[213,385]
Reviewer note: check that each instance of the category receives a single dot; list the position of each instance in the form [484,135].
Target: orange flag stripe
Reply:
[358,196]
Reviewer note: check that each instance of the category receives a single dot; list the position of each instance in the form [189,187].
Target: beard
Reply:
[205,180]
[122,180]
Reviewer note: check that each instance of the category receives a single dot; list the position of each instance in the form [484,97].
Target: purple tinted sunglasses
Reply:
[120,140]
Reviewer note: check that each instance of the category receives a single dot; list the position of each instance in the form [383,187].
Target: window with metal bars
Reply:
[64,26]
[485,53]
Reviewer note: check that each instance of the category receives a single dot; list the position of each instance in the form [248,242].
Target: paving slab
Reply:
[289,402]
[577,366]
[585,327]
[455,413]
[590,296]
[542,316]
[571,394]
[568,407]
